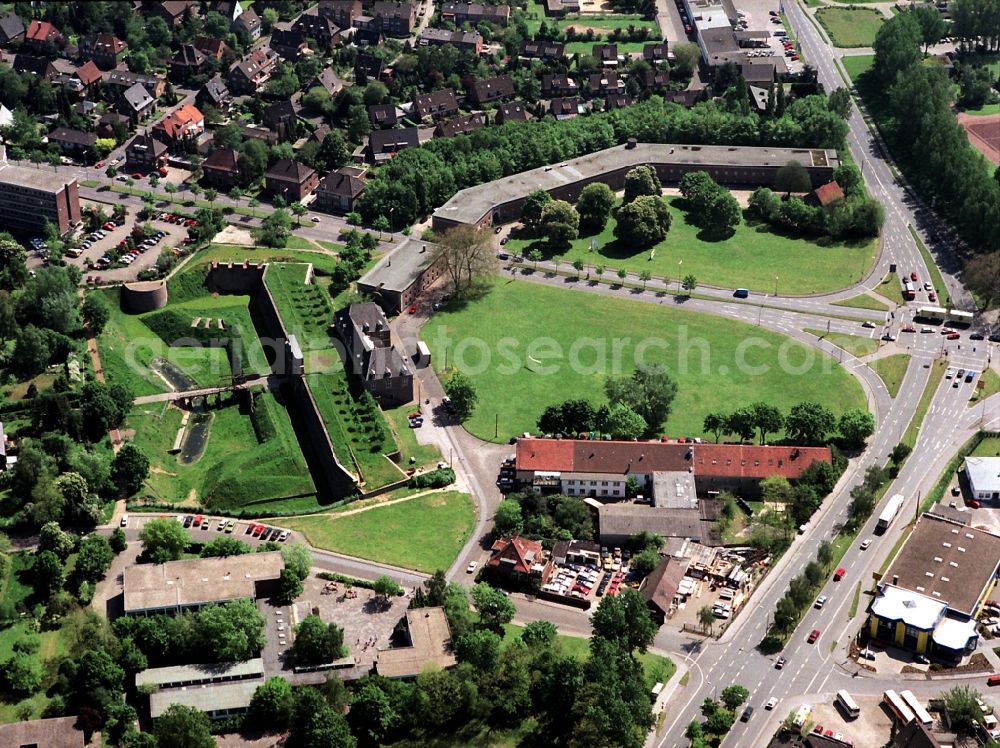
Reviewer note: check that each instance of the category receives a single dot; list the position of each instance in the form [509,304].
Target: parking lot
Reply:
[209,527]
[592,580]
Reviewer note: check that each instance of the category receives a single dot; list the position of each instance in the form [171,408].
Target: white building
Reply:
[983,474]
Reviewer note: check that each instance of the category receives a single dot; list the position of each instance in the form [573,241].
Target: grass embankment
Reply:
[988,447]
[424,533]
[580,340]
[856,345]
[864,301]
[322,261]
[944,298]
[938,368]
[855,65]
[305,308]
[850,27]
[754,256]
[891,370]
[422,455]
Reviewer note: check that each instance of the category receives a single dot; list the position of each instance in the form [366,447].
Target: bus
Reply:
[916,707]
[889,513]
[898,707]
[940,314]
[847,704]
[908,293]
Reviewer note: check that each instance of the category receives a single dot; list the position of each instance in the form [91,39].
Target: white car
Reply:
[771,703]
[471,567]
[314,219]
[124,522]
[820,601]
[114,162]
[866,543]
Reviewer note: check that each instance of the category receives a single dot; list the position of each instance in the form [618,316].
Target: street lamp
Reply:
[391,222]
[679,263]
[775,285]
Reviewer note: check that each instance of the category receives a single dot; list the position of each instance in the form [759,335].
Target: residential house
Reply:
[222,168]
[382,115]
[655,54]
[468,41]
[258,133]
[512,111]
[606,84]
[436,104]
[73,142]
[184,124]
[211,47]
[55,732]
[280,117]
[11,29]
[560,8]
[460,125]
[106,50]
[40,66]
[145,153]
[342,12]
[172,11]
[566,107]
[248,75]
[606,54]
[543,50]
[214,94]
[339,190]
[187,61]
[659,588]
[82,77]
[473,13]
[228,9]
[492,89]
[327,80]
[828,195]
[655,80]
[369,66]
[617,101]
[519,560]
[111,123]
[119,81]
[395,19]
[384,144]
[558,84]
[290,179]
[312,25]
[319,134]
[761,73]
[288,43]
[136,103]
[40,34]
[249,23]
[374,360]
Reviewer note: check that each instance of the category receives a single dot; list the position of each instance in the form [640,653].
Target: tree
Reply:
[95,558]
[48,573]
[22,673]
[103,407]
[130,468]
[734,695]
[298,558]
[594,205]
[982,276]
[494,607]
[775,489]
[622,422]
[118,541]
[645,276]
[183,726]
[230,632]
[721,214]
[809,423]
[535,256]
[642,222]
[649,392]
[686,57]
[825,553]
[767,419]
[640,181]
[792,177]
[95,312]
[462,395]
[534,203]
[372,714]
[644,562]
[689,284]
[275,229]
[289,586]
[539,634]
[706,617]
[578,267]
[900,452]
[625,620]
[897,47]
[224,546]
[317,643]
[697,187]
[856,426]
[962,703]
[381,224]
[52,538]
[480,649]
[31,352]
[163,540]
[507,521]
[467,255]
[559,223]
[253,160]
[386,587]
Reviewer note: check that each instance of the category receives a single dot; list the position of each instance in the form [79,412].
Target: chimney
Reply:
[895,578]
[630,144]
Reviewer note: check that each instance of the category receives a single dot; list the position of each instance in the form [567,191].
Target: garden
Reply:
[305,309]
[548,344]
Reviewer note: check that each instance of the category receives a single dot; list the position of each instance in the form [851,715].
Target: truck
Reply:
[423,353]
[888,514]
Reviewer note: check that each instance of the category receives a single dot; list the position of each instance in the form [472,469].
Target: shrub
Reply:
[434,479]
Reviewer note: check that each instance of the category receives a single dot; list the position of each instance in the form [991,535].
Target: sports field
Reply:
[527,346]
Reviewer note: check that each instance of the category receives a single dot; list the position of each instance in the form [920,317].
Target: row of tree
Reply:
[806,423]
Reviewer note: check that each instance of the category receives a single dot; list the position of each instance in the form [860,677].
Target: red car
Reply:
[932,296]
[839,574]
[953,336]
[197,520]
[813,636]
[993,680]
[136,175]
[913,276]
[99,164]
[974,503]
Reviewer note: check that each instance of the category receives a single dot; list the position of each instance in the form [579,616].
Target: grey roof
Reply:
[397,270]
[472,203]
[42,178]
[214,697]
[430,645]
[137,97]
[513,110]
[631,519]
[983,473]
[146,142]
[75,137]
[11,25]
[444,36]
[382,141]
[248,19]
[288,170]
[57,732]
[340,182]
[205,672]
[674,489]
[215,89]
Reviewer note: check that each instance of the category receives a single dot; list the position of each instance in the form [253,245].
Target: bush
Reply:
[331,576]
[434,479]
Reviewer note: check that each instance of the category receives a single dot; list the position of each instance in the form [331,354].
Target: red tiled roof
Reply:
[522,551]
[829,193]
[176,125]
[754,461]
[39,31]
[545,454]
[88,72]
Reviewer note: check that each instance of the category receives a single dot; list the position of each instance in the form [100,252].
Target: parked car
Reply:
[954,336]
[230,525]
[124,522]
[284,536]
[471,567]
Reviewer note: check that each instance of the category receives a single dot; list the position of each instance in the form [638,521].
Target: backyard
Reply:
[600,23]
[754,256]
[548,345]
[850,27]
[424,533]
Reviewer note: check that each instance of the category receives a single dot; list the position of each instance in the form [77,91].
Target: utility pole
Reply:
[916,509]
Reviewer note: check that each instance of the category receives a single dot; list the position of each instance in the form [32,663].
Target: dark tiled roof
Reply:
[461,125]
[75,137]
[11,25]
[289,171]
[343,183]
[222,159]
[492,89]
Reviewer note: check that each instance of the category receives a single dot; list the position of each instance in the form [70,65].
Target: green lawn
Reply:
[581,338]
[986,109]
[423,455]
[425,533]
[123,361]
[944,299]
[350,430]
[855,65]
[864,301]
[753,257]
[988,447]
[235,470]
[850,27]
[305,309]
[856,345]
[233,253]
[913,429]
[891,369]
[991,385]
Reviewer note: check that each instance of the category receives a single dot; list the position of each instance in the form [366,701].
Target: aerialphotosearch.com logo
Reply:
[682,354]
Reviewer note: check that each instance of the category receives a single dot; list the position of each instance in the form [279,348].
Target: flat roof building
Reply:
[30,196]
[430,646]
[500,201]
[190,584]
[983,475]
[58,732]
[218,701]
[182,676]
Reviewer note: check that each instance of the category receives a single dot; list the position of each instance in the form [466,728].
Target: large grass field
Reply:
[850,27]
[855,65]
[235,470]
[753,257]
[425,533]
[305,309]
[718,364]
[988,447]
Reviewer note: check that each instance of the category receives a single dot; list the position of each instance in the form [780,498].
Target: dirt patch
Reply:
[984,134]
[161,471]
[234,235]
[127,434]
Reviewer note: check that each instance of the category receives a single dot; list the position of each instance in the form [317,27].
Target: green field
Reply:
[305,309]
[850,27]
[856,345]
[235,470]
[575,336]
[425,533]
[891,369]
[984,110]
[988,447]
[324,261]
[753,257]
[855,65]
[991,385]
[864,301]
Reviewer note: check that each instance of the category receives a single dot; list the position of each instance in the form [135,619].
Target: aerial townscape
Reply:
[500,374]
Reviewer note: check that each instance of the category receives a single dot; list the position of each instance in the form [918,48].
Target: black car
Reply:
[977,336]
[265,533]
[188,519]
[747,714]
[994,338]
